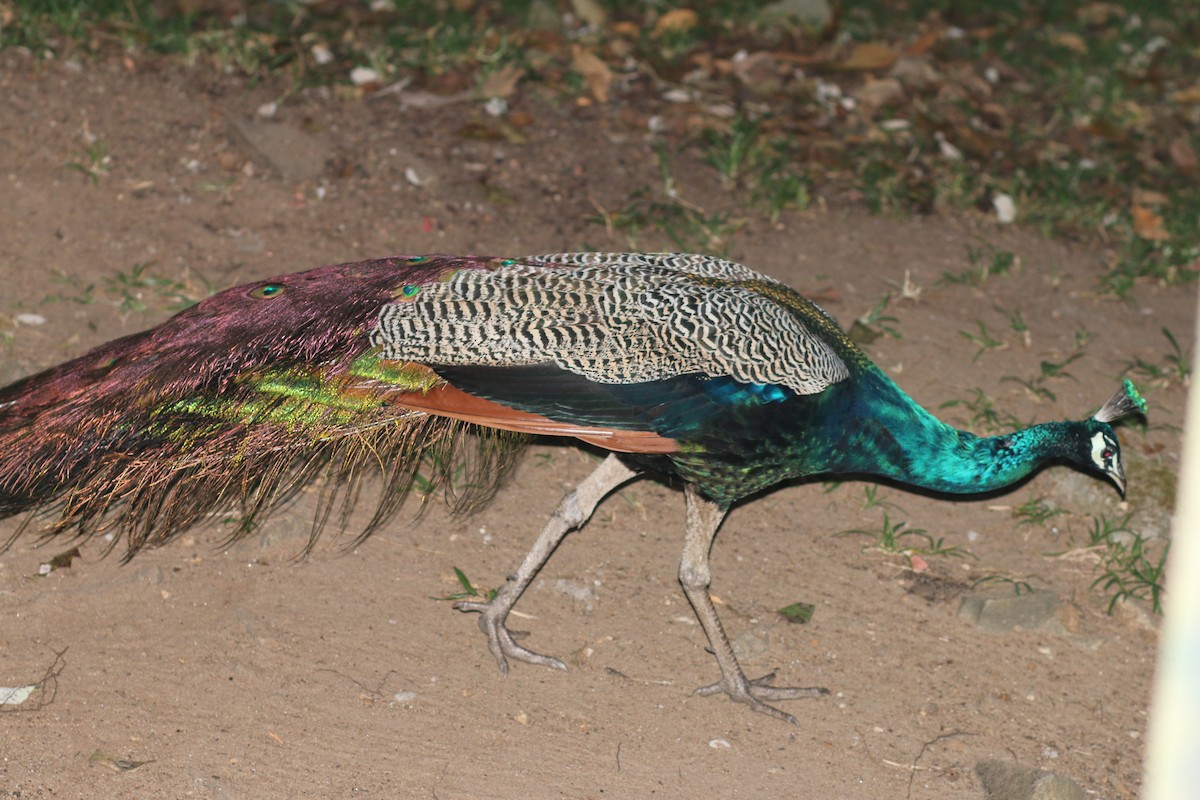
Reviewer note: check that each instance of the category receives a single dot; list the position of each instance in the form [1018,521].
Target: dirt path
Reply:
[236,673]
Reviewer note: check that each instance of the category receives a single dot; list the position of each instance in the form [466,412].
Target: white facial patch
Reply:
[1104,453]
[1098,445]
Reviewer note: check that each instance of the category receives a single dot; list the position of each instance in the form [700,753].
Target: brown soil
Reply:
[239,673]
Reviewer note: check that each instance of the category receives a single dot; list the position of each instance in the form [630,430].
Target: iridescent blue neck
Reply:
[948,460]
[896,438]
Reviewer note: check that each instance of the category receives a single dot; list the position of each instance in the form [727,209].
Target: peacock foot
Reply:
[754,692]
[501,640]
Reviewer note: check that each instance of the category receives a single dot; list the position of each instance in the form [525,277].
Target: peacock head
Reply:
[1102,451]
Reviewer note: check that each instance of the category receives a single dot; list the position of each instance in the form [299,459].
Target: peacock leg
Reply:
[703,518]
[574,510]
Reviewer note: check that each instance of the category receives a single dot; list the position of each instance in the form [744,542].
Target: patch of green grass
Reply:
[871,498]
[985,262]
[1016,321]
[1175,366]
[780,189]
[875,323]
[1047,370]
[1104,528]
[984,416]
[1036,511]
[747,159]
[890,186]
[130,289]
[734,153]
[468,589]
[82,294]
[983,340]
[95,164]
[690,228]
[898,539]
[1134,569]
[1019,585]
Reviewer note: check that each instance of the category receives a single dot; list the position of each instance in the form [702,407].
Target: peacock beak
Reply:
[1117,475]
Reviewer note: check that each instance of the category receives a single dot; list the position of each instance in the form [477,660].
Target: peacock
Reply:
[434,370]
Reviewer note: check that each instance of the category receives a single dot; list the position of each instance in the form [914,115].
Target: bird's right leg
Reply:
[574,510]
[703,518]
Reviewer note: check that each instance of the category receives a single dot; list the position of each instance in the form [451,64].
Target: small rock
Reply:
[997,613]
[27,318]
[947,148]
[758,72]
[496,107]
[1006,209]
[578,591]
[1006,781]
[752,644]
[915,72]
[321,54]
[362,76]
[878,93]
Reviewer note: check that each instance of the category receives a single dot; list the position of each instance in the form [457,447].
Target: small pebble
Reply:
[1006,209]
[321,54]
[719,744]
[361,76]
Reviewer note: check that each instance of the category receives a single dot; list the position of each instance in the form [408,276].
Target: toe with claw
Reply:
[754,692]
[500,639]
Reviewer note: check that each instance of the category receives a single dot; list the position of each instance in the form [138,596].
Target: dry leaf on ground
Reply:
[871,55]
[597,74]
[675,20]
[1148,224]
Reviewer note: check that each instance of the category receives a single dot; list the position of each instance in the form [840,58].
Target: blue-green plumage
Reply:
[836,415]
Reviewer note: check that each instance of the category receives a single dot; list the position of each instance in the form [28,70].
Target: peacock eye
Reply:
[1108,452]
[408,291]
[267,291]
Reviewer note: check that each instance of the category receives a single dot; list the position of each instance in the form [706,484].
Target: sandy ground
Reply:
[241,673]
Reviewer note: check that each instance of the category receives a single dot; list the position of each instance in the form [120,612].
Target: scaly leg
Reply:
[574,510]
[703,518]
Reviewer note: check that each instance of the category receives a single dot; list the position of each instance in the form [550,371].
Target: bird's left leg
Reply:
[703,518]
[574,510]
